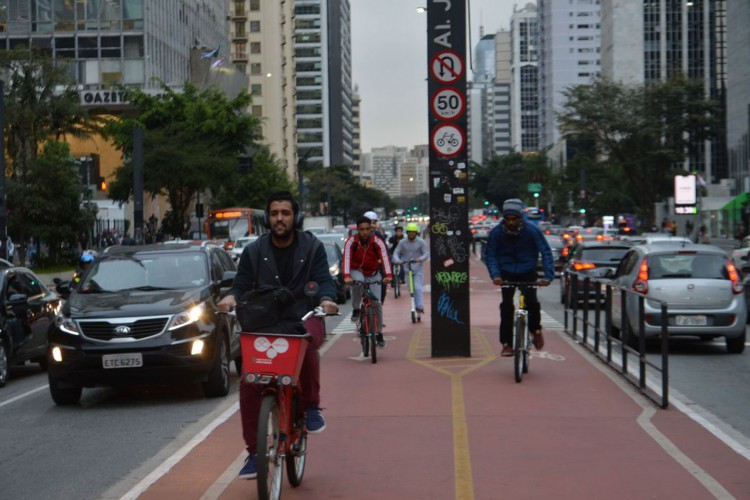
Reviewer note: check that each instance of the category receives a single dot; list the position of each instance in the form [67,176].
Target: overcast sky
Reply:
[389,57]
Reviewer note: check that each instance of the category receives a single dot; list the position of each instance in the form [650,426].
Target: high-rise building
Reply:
[356,135]
[738,93]
[324,81]
[500,100]
[480,97]
[386,169]
[569,41]
[262,47]
[646,42]
[524,89]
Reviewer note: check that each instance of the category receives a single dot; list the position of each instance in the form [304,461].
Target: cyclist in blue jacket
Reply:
[513,248]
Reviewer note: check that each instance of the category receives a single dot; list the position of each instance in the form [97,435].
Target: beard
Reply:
[281,231]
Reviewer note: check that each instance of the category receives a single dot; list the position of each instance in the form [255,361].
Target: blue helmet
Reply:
[87,257]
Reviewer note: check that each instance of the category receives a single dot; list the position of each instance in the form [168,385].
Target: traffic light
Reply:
[486,203]
[581,210]
[414,208]
[536,195]
[102,184]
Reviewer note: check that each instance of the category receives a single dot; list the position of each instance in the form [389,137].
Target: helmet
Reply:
[371,215]
[412,226]
[88,257]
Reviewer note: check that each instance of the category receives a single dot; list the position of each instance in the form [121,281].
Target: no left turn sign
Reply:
[447,67]
[447,140]
[448,103]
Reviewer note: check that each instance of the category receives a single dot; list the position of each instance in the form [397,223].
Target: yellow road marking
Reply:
[455,368]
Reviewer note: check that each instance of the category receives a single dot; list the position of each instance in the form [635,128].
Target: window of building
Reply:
[64,15]
[110,17]
[41,16]
[255,47]
[241,67]
[132,13]
[65,47]
[257,110]
[254,26]
[133,46]
[239,29]
[87,47]
[255,69]
[111,46]
[256,89]
[240,50]
[254,5]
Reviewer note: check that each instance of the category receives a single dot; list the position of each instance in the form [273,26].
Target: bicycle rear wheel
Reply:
[269,450]
[297,456]
[371,334]
[519,348]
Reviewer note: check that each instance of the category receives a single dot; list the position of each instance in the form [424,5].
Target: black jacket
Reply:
[310,264]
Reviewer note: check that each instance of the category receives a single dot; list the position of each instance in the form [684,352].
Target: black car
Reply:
[336,267]
[27,312]
[146,314]
[592,258]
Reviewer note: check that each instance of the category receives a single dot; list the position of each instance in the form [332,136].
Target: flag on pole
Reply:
[217,63]
[210,53]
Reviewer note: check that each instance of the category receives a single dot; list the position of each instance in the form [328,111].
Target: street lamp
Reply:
[421,10]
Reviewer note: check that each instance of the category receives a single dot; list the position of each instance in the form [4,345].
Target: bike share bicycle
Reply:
[521,336]
[368,321]
[274,361]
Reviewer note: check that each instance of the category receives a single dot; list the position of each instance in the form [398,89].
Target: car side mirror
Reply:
[227,279]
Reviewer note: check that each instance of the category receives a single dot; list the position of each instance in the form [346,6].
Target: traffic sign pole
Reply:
[449,222]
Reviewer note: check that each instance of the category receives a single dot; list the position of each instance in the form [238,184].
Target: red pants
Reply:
[250,394]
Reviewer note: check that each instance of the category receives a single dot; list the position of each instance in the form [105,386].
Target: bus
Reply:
[534,215]
[228,224]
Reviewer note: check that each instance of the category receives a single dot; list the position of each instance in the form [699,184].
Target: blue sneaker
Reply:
[315,421]
[250,469]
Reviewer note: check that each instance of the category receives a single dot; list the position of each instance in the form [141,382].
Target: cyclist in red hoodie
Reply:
[364,253]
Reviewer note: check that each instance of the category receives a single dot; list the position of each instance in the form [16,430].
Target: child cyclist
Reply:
[413,248]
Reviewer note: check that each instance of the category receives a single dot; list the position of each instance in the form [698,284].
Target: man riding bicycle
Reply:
[413,249]
[290,257]
[513,248]
[364,253]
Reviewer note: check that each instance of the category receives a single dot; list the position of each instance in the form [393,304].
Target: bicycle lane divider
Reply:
[455,368]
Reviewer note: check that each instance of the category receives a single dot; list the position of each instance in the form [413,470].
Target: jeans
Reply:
[375,288]
[507,309]
[251,394]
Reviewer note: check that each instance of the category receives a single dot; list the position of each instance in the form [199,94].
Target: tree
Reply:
[41,103]
[644,130]
[508,176]
[192,142]
[48,205]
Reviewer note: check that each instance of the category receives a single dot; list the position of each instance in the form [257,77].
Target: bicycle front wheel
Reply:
[297,456]
[364,339]
[270,467]
[396,286]
[519,348]
[371,332]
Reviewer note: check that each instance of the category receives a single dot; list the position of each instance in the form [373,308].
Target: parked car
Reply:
[27,312]
[702,288]
[559,250]
[338,238]
[480,232]
[145,314]
[592,258]
[657,238]
[336,267]
[740,255]
[239,246]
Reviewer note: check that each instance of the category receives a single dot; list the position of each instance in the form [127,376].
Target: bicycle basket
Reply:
[273,354]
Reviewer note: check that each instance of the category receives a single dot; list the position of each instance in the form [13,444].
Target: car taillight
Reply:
[565,251]
[735,277]
[579,237]
[640,285]
[580,266]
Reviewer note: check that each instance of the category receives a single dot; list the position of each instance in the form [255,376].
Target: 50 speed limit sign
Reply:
[448,104]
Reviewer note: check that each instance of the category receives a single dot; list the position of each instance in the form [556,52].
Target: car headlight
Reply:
[334,270]
[187,317]
[66,325]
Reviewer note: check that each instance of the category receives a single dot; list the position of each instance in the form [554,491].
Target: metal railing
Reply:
[613,344]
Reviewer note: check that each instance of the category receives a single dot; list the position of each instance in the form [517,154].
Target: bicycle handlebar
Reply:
[519,284]
[318,312]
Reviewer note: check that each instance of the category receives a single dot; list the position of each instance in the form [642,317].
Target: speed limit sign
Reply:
[448,104]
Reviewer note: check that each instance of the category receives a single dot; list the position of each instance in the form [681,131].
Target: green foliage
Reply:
[192,142]
[643,131]
[348,197]
[508,176]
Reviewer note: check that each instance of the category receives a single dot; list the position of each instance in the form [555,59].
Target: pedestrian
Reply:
[285,257]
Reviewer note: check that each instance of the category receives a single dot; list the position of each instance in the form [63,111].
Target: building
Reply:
[324,81]
[524,72]
[500,101]
[386,169]
[356,135]
[645,42]
[568,54]
[262,48]
[738,93]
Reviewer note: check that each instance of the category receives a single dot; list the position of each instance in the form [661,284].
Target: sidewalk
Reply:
[414,427]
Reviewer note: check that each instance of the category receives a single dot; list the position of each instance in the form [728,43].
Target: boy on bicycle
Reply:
[364,253]
[413,249]
[513,248]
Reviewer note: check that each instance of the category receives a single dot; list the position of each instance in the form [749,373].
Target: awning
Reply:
[733,209]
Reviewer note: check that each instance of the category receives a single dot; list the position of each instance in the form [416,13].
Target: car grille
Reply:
[139,328]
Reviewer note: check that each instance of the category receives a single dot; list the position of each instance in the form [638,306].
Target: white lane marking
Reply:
[21,396]
[173,460]
[217,488]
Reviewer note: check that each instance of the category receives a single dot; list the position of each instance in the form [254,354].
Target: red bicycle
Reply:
[274,361]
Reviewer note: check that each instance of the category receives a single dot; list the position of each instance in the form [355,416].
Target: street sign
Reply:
[448,103]
[447,67]
[534,187]
[447,140]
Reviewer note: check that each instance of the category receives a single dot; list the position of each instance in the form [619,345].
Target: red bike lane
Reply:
[413,427]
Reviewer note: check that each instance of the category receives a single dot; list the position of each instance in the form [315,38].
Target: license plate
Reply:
[697,320]
[129,360]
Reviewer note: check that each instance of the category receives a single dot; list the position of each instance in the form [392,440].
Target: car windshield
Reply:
[686,265]
[333,257]
[603,254]
[153,271]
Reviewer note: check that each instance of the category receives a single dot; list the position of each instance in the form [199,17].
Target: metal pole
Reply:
[138,185]
[3,210]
